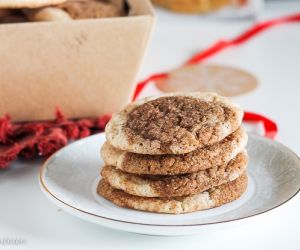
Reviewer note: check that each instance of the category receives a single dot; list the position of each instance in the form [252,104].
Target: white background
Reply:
[274,57]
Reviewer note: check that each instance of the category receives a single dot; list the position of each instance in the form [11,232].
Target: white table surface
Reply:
[273,57]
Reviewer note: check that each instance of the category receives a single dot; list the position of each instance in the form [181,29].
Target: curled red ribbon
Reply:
[141,85]
[245,36]
[269,125]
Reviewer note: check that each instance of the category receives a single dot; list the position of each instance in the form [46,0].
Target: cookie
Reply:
[227,81]
[192,6]
[213,197]
[120,4]
[47,14]
[178,185]
[82,9]
[200,159]
[28,3]
[173,124]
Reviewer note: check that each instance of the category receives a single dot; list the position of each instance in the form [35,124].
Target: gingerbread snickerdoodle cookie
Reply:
[47,14]
[192,6]
[75,9]
[179,185]
[225,80]
[173,124]
[83,9]
[200,159]
[213,197]
[28,3]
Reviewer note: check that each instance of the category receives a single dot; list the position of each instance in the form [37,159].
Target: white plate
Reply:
[70,176]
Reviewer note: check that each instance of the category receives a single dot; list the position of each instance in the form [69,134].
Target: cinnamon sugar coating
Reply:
[178,185]
[213,197]
[173,124]
[200,159]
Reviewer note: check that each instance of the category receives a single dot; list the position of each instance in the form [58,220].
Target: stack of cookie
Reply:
[15,11]
[177,153]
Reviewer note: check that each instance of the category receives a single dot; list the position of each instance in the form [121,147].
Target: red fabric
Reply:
[31,139]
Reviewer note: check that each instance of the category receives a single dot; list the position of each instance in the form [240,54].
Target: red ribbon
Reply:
[245,36]
[141,85]
[270,126]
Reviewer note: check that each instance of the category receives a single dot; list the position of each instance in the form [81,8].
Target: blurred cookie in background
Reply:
[60,10]
[83,9]
[230,9]
[192,6]
[47,14]
[10,4]
[227,81]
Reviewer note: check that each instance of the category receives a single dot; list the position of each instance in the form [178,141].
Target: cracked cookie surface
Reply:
[178,185]
[200,159]
[173,124]
[213,197]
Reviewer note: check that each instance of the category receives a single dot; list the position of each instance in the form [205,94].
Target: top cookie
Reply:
[174,123]
[28,3]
